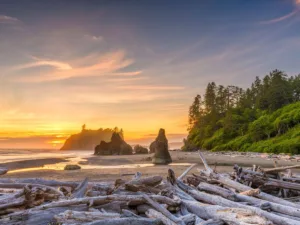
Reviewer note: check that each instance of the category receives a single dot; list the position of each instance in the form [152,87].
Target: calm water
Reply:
[72,157]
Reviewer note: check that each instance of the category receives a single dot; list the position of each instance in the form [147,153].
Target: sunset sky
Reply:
[132,64]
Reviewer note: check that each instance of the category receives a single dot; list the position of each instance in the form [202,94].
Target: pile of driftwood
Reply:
[245,196]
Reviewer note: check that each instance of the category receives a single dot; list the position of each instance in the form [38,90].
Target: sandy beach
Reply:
[50,164]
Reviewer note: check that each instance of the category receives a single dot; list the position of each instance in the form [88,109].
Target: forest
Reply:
[262,118]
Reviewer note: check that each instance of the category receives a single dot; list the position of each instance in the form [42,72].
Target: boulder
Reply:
[161,155]
[138,149]
[72,167]
[117,146]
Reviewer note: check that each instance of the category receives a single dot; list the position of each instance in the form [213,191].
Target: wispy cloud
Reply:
[94,38]
[58,65]
[133,73]
[279,19]
[284,17]
[8,19]
[150,87]
[107,64]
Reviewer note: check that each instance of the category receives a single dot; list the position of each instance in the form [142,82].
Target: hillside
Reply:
[87,139]
[262,118]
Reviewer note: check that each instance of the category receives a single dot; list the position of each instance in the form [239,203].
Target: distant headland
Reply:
[88,139]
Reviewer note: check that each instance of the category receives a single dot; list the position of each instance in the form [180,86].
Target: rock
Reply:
[138,149]
[72,167]
[147,159]
[152,147]
[117,146]
[87,139]
[161,155]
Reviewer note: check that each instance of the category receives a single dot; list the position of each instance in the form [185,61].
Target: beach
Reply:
[49,164]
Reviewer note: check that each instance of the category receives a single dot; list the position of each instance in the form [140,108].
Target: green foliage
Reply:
[263,118]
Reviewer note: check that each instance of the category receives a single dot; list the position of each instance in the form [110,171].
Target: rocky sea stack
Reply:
[87,139]
[117,146]
[138,149]
[160,145]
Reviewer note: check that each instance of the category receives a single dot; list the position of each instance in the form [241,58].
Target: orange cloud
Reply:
[150,87]
[58,65]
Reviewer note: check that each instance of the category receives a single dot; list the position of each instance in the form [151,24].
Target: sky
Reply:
[132,64]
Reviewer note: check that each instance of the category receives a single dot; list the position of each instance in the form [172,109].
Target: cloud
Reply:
[107,64]
[8,20]
[279,19]
[94,38]
[150,87]
[133,73]
[58,65]
[285,17]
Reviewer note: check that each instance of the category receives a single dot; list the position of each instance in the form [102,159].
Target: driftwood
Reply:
[81,189]
[3,171]
[186,172]
[75,217]
[279,169]
[51,183]
[127,221]
[244,197]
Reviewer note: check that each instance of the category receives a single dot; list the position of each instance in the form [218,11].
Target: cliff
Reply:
[87,139]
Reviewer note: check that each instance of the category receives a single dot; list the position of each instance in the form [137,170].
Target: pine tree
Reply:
[194,111]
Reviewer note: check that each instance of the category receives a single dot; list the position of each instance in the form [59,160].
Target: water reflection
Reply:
[60,166]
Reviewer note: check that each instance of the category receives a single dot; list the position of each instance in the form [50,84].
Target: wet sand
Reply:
[112,167]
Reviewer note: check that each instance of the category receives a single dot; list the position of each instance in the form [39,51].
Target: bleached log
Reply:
[114,206]
[280,169]
[38,217]
[52,183]
[143,188]
[162,210]
[236,216]
[76,217]
[148,181]
[16,203]
[270,182]
[80,190]
[22,185]
[189,219]
[216,189]
[211,222]
[186,172]
[11,198]
[105,199]
[127,221]
[3,170]
[151,213]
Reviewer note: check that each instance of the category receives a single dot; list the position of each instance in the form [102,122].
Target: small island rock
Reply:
[161,155]
[117,146]
[138,149]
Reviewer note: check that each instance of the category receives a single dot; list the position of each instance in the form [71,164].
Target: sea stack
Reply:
[161,155]
[117,146]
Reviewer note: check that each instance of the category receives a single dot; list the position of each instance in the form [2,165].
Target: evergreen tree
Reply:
[195,111]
